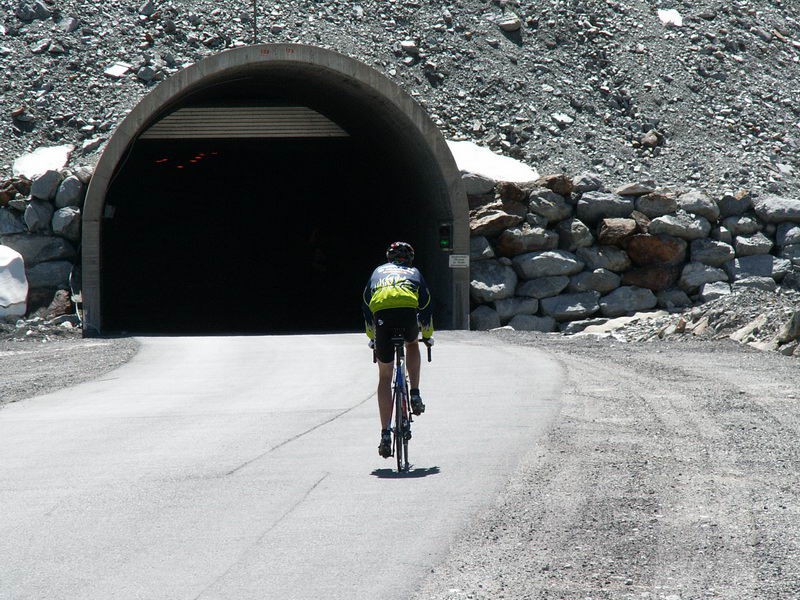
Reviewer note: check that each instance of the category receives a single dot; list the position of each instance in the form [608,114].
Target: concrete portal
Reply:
[254,191]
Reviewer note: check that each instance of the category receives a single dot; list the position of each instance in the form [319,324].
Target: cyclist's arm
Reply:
[369,324]
[425,309]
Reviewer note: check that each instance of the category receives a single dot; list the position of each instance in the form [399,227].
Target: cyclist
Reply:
[397,298]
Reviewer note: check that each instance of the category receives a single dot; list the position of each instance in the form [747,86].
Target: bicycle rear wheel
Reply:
[399,445]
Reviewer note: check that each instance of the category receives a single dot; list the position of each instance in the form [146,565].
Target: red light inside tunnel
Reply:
[161,161]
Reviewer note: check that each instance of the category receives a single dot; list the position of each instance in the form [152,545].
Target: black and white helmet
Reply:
[400,253]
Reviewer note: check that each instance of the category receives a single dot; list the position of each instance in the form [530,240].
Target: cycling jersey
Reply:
[396,286]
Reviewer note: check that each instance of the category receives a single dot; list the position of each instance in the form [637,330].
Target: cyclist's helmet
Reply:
[400,253]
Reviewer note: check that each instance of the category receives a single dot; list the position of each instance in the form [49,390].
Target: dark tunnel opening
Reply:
[219,215]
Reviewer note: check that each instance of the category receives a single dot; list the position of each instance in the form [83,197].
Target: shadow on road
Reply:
[412,473]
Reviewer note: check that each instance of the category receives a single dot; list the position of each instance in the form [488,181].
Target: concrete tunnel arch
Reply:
[390,168]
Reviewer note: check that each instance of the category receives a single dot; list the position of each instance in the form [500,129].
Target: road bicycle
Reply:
[403,417]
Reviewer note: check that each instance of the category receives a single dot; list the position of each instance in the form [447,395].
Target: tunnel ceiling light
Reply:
[225,122]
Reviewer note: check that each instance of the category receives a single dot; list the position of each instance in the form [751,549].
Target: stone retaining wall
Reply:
[558,252]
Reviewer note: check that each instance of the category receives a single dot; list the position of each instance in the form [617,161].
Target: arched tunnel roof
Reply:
[352,94]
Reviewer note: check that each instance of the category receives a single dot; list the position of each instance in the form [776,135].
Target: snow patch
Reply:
[670,16]
[44,158]
[478,160]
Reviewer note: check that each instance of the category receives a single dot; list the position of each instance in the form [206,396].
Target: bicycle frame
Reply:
[402,412]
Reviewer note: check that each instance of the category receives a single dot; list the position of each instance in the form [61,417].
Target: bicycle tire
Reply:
[398,428]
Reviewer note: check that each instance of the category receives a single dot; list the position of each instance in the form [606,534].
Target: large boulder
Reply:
[54,274]
[480,249]
[751,245]
[11,222]
[695,274]
[777,209]
[571,307]
[547,263]
[604,257]
[543,287]
[533,323]
[735,204]
[648,250]
[599,280]
[39,248]
[70,192]
[714,290]
[573,234]
[627,299]
[38,216]
[594,206]
[45,186]
[491,281]
[615,232]
[766,284]
[559,183]
[518,240]
[13,283]
[511,307]
[741,225]
[657,204]
[66,222]
[682,225]
[492,218]
[673,299]
[792,253]
[484,318]
[586,182]
[697,203]
[760,265]
[656,278]
[549,205]
[710,252]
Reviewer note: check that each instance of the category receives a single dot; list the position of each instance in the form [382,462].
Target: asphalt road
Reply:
[247,467]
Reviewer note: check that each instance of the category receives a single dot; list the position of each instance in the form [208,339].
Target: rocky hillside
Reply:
[686,91]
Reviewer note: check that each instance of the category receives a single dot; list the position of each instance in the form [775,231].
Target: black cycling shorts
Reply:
[392,322]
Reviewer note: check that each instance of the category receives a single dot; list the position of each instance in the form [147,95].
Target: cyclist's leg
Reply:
[413,363]
[385,393]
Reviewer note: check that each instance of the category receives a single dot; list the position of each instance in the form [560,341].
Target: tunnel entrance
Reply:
[259,197]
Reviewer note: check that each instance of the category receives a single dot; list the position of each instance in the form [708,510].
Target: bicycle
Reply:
[403,417]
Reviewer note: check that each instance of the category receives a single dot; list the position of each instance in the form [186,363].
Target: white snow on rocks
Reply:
[13,284]
[670,16]
[44,158]
[478,160]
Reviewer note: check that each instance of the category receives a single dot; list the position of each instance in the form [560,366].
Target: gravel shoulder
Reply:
[40,363]
[671,473]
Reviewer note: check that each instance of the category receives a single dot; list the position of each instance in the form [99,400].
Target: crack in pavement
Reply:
[298,436]
[266,532]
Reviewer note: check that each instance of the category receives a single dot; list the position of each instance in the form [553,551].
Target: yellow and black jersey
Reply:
[396,286]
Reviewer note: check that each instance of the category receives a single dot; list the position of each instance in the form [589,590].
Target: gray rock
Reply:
[70,193]
[39,248]
[570,307]
[695,274]
[697,203]
[710,252]
[594,206]
[722,234]
[547,263]
[627,299]
[656,204]
[792,253]
[742,225]
[549,205]
[480,249]
[573,327]
[511,307]
[84,174]
[761,265]
[712,291]
[46,185]
[53,275]
[673,299]
[543,287]
[754,244]
[587,182]
[734,204]
[787,234]
[780,268]
[532,323]
[766,284]
[777,209]
[484,318]
[477,185]
[146,74]
[639,188]
[66,222]
[792,280]
[573,234]
[535,220]
[599,280]
[518,240]
[491,281]
[147,8]
[11,222]
[681,225]
[605,257]
[42,11]
[38,215]
[791,329]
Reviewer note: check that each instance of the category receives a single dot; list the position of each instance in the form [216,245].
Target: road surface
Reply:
[247,467]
